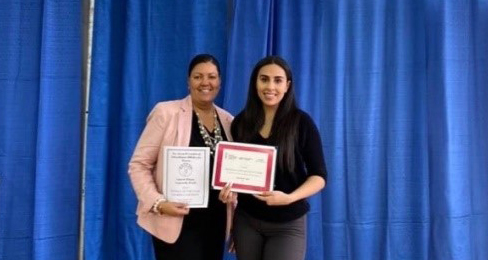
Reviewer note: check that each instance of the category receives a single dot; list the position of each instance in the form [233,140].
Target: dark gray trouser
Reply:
[261,240]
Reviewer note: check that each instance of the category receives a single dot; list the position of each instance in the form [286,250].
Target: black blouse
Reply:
[309,160]
[215,213]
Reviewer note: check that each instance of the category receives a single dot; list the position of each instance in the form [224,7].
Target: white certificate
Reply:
[250,168]
[186,175]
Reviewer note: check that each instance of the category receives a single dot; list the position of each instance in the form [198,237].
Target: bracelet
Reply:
[154,207]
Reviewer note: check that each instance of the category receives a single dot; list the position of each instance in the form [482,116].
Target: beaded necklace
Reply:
[209,140]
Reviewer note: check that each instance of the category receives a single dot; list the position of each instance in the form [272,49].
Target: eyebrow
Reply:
[264,75]
[200,73]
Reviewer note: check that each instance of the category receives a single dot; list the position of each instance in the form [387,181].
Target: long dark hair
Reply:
[285,123]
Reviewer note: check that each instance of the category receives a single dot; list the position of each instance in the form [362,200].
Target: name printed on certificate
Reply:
[250,168]
[186,175]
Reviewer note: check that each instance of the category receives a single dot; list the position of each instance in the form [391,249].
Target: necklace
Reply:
[209,140]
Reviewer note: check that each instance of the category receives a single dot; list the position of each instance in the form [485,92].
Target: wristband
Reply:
[154,207]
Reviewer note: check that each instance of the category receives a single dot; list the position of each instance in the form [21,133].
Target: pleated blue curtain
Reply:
[40,109]
[141,52]
[398,90]
[457,74]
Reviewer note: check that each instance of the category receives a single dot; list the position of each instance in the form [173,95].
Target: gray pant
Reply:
[261,240]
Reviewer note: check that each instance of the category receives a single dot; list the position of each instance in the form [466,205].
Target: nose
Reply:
[270,85]
[204,80]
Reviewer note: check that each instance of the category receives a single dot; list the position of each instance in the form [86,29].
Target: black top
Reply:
[309,160]
[216,211]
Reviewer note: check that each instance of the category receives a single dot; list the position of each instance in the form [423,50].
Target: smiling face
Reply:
[204,83]
[272,85]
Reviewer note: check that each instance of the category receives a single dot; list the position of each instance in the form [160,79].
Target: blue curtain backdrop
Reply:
[40,108]
[141,52]
[397,88]
[399,92]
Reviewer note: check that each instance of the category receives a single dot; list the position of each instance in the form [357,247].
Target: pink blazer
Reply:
[168,124]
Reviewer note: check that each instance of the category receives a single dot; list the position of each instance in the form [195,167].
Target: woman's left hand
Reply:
[275,198]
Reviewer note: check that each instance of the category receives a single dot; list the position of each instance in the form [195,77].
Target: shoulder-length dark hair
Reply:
[285,123]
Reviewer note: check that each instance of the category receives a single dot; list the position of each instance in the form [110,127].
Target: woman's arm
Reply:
[312,185]
[144,160]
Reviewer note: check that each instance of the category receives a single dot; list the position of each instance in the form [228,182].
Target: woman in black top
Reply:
[272,225]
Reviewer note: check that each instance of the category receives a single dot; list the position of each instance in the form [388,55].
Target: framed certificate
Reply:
[250,168]
[186,175]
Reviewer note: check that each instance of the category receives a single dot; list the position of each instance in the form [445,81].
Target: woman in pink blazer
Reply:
[178,232]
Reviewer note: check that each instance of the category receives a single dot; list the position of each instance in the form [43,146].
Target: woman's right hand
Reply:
[173,208]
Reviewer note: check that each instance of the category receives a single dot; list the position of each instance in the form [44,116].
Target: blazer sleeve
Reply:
[144,159]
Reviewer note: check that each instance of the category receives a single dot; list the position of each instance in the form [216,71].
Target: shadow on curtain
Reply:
[40,108]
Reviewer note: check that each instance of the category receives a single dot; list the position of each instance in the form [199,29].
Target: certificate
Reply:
[250,168]
[186,175]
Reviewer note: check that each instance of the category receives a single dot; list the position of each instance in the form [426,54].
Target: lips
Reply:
[269,95]
[205,90]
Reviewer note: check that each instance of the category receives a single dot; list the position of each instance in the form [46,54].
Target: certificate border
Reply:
[206,159]
[219,152]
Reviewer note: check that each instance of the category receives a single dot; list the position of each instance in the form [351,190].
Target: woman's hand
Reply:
[275,198]
[312,185]
[226,195]
[173,208]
